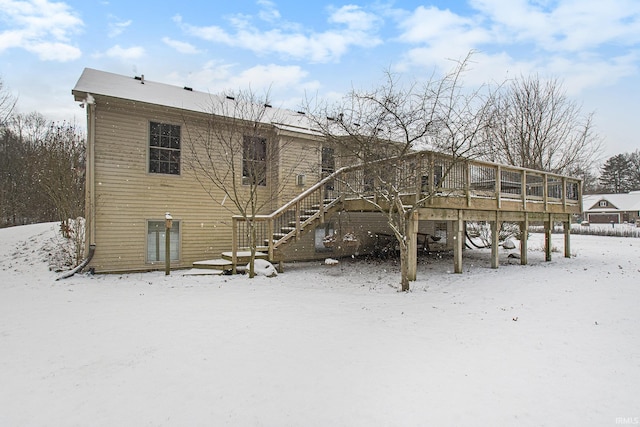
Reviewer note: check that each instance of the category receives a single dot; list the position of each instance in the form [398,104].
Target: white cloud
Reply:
[182,47]
[119,52]
[354,27]
[568,25]
[39,26]
[268,13]
[589,41]
[287,84]
[117,26]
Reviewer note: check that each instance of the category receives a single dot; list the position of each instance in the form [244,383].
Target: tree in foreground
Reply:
[236,156]
[379,128]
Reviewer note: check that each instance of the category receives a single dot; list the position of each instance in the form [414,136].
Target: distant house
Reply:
[140,134]
[607,208]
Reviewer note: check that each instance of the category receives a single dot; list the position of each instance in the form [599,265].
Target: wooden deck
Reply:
[432,187]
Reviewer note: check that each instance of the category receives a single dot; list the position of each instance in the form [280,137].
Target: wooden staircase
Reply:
[284,227]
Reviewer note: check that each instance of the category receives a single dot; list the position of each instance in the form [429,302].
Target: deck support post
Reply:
[234,245]
[524,239]
[495,227]
[548,226]
[567,237]
[412,235]
[458,243]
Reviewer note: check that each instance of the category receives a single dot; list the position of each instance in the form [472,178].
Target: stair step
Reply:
[287,229]
[214,264]
[244,256]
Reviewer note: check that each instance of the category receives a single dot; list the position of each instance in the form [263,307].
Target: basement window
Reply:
[164,148]
[156,241]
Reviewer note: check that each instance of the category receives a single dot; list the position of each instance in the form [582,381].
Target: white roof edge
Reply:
[96,82]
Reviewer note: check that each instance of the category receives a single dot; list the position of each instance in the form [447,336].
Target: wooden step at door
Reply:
[244,256]
[214,264]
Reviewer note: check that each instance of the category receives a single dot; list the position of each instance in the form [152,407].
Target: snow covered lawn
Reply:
[553,343]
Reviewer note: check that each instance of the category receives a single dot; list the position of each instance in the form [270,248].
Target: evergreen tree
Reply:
[616,174]
[634,160]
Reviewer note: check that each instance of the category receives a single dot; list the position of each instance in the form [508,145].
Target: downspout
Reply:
[83,264]
[90,198]
[90,209]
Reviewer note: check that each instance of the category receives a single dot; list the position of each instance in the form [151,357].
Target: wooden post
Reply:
[321,207]
[495,227]
[524,191]
[498,186]
[234,245]
[548,225]
[167,243]
[524,239]
[412,231]
[567,239]
[467,182]
[458,243]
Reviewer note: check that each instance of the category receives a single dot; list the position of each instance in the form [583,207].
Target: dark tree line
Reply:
[41,167]
[620,173]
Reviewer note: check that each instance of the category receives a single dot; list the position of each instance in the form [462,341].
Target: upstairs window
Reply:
[254,160]
[328,165]
[164,148]
[603,204]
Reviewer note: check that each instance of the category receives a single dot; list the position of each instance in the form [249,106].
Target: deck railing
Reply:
[422,174]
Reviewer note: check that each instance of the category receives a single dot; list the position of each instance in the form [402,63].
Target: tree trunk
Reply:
[252,245]
[404,267]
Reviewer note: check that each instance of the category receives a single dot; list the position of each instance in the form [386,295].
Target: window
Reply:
[325,238]
[156,241]
[603,204]
[164,148]
[440,232]
[328,166]
[254,160]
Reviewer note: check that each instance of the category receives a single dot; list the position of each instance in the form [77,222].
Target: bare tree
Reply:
[60,177]
[381,127]
[236,156]
[42,166]
[535,125]
[7,104]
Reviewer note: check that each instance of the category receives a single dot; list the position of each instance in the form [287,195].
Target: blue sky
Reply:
[324,48]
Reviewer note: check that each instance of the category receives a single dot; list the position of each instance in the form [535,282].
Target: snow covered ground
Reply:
[553,343]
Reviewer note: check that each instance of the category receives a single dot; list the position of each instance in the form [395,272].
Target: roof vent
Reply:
[301,112]
[190,89]
[231,98]
[267,105]
[140,77]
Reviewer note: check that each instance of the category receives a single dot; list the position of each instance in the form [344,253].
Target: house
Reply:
[143,136]
[611,208]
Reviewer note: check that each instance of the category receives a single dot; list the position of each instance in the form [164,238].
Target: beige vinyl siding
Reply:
[297,157]
[127,195]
